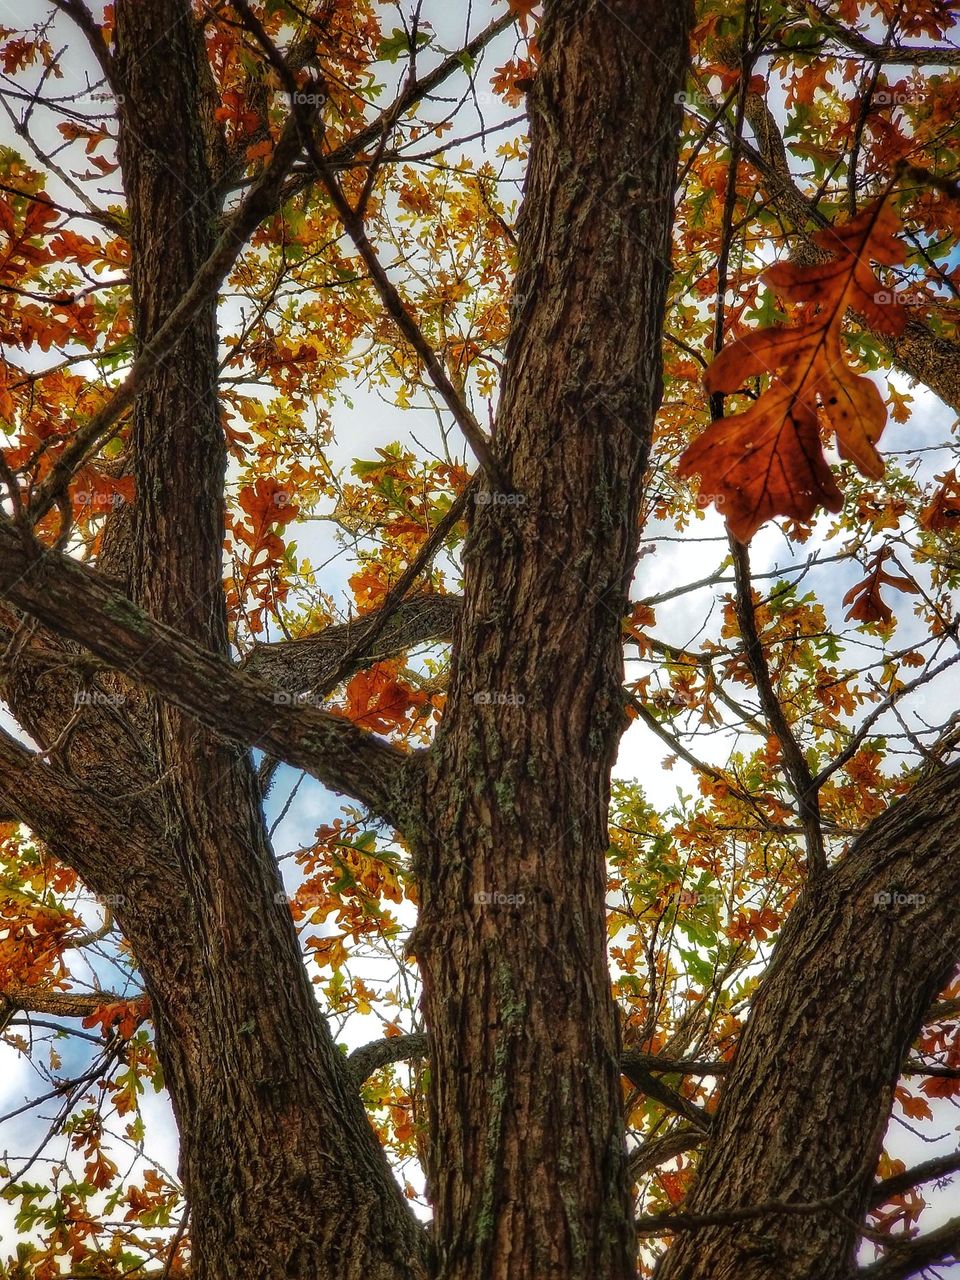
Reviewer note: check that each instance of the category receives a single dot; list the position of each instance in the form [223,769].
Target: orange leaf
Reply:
[943,510]
[328,951]
[100,1170]
[508,81]
[915,1108]
[126,1015]
[941,1087]
[867,605]
[378,701]
[769,460]
[524,11]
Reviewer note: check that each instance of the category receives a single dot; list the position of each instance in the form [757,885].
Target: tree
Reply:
[294,229]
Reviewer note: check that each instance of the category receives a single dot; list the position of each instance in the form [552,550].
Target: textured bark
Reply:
[804,1108]
[283,1172]
[302,665]
[528,1170]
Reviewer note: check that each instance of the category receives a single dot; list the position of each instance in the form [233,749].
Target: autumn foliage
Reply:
[768,460]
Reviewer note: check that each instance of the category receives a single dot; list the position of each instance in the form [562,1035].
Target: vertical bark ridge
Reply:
[284,1174]
[528,1175]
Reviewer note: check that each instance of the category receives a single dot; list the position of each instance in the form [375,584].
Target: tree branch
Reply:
[663,1093]
[78,603]
[911,1257]
[310,663]
[363,1062]
[353,222]
[16,998]
[929,1170]
[657,1151]
[795,763]
[886,55]
[661,1223]
[87,23]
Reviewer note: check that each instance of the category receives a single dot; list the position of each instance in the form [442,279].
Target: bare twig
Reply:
[354,224]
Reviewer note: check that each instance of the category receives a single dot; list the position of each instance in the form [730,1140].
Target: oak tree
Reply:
[375,379]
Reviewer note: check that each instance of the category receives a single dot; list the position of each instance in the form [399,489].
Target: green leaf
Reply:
[397,44]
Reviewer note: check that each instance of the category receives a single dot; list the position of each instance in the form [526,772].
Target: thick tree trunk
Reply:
[803,1111]
[284,1175]
[527,1174]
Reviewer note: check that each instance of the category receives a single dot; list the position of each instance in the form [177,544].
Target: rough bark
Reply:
[528,1171]
[284,1174]
[302,665]
[802,1112]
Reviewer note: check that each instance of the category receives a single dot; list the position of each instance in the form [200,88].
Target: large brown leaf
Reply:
[769,460]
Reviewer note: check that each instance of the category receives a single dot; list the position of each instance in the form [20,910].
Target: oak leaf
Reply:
[328,951]
[867,605]
[769,460]
[377,700]
[942,512]
[508,81]
[941,1087]
[125,1015]
[914,1107]
[523,9]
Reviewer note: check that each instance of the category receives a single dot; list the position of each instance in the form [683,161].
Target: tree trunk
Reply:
[527,1173]
[803,1111]
[283,1173]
